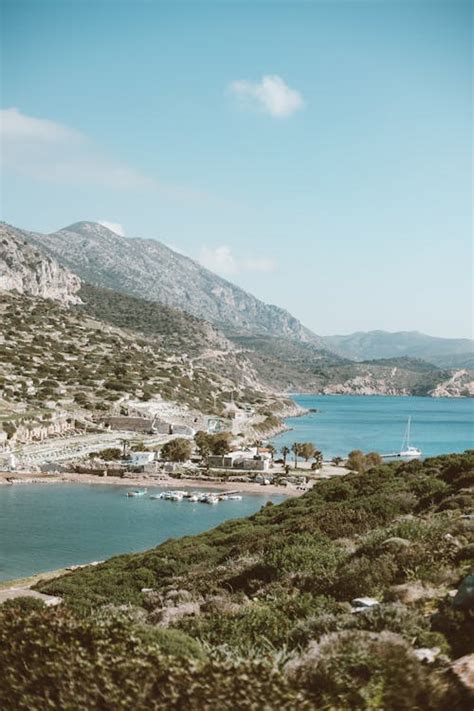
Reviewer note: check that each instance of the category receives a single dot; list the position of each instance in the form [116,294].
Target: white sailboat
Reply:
[407,451]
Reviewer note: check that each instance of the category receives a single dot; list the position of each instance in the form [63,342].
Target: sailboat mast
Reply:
[408,432]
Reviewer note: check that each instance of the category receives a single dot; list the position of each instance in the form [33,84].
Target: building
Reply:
[139,460]
[246,459]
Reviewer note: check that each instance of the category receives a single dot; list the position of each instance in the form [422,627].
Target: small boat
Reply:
[234,497]
[193,498]
[211,499]
[137,492]
[407,452]
[155,496]
[172,495]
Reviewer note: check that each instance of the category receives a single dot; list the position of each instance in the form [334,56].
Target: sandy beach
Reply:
[19,478]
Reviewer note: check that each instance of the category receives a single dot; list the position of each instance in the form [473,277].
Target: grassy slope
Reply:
[278,583]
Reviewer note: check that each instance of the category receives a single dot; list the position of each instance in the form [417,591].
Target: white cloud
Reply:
[48,151]
[222,260]
[219,259]
[114,226]
[271,95]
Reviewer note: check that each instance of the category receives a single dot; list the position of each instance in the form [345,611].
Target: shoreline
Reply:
[146,481]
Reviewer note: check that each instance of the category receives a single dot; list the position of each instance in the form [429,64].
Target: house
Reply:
[138,460]
[247,459]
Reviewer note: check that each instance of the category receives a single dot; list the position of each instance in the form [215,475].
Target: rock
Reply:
[464,597]
[25,269]
[170,614]
[409,593]
[221,605]
[174,596]
[396,542]
[463,668]
[427,654]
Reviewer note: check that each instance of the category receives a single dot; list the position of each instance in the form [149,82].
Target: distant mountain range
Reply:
[445,352]
[148,289]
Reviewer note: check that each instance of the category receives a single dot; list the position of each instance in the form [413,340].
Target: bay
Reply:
[48,526]
[377,423]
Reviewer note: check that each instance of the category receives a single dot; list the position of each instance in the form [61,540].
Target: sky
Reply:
[318,154]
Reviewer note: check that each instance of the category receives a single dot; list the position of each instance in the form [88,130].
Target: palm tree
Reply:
[318,459]
[285,451]
[296,449]
[271,449]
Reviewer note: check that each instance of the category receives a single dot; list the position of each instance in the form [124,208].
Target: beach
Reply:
[144,480]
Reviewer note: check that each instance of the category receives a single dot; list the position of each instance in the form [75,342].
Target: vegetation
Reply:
[263,607]
[55,359]
[357,461]
[177,450]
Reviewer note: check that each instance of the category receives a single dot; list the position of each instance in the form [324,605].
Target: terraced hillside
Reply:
[257,613]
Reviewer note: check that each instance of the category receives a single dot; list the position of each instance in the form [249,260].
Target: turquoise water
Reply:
[377,423]
[49,526]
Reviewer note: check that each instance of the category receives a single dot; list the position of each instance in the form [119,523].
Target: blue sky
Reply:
[316,153]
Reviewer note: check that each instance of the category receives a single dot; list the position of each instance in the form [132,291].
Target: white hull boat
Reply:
[407,451]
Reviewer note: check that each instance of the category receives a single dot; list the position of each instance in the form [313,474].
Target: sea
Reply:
[44,527]
[376,423]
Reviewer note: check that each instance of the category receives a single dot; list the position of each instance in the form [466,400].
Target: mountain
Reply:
[27,270]
[144,287]
[149,269]
[446,352]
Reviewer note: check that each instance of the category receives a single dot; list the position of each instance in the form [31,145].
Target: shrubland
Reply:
[257,612]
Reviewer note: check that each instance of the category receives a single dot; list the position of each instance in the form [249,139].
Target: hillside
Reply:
[27,270]
[282,364]
[446,352]
[148,268]
[257,613]
[188,311]
[59,362]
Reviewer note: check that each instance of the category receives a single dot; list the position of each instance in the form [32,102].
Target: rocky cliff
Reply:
[27,270]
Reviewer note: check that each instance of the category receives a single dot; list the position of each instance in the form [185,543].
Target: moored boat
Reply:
[407,451]
[137,492]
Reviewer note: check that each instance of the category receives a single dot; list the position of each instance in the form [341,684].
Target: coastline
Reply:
[145,481]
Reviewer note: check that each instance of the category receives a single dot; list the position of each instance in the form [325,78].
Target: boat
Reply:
[234,497]
[137,492]
[172,495]
[407,451]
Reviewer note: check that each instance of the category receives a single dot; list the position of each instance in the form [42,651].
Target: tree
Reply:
[203,443]
[356,461]
[318,459]
[336,461]
[271,449]
[307,451]
[285,451]
[296,449]
[372,459]
[177,450]
[221,443]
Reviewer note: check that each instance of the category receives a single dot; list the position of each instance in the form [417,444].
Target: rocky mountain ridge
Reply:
[27,270]
[279,356]
[148,268]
